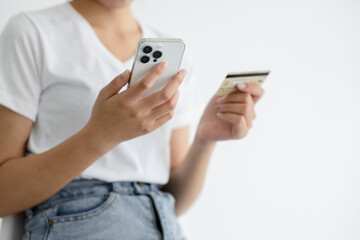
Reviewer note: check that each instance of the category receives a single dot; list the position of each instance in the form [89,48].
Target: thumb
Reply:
[115,85]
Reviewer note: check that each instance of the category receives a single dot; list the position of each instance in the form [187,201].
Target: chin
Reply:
[116,3]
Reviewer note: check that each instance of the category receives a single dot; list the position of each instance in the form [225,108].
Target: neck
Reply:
[100,16]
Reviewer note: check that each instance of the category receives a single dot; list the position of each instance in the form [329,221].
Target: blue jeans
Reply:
[92,209]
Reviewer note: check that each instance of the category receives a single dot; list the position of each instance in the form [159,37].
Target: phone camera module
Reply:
[147,49]
[144,59]
[157,54]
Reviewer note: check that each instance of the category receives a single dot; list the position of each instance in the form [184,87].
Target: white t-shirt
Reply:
[52,67]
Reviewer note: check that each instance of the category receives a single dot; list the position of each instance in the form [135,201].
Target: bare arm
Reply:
[27,181]
[116,117]
[189,165]
[179,145]
[228,117]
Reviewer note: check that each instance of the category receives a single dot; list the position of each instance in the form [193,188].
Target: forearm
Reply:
[27,181]
[187,180]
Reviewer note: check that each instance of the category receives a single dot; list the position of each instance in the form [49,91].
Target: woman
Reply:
[92,162]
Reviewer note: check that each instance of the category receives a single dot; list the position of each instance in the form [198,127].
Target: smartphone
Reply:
[150,52]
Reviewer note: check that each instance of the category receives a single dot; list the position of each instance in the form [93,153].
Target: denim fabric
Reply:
[92,209]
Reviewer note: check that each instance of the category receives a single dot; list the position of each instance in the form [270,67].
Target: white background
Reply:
[297,174]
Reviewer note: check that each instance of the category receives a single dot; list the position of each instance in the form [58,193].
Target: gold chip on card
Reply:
[229,85]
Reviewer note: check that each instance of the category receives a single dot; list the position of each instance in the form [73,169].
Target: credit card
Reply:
[229,85]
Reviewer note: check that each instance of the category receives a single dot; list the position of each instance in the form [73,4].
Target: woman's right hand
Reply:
[117,117]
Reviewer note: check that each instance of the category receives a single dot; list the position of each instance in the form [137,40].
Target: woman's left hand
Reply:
[230,116]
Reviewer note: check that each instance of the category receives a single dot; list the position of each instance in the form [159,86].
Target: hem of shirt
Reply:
[81,176]
[181,125]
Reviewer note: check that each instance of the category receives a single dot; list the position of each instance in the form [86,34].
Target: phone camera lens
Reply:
[144,59]
[157,54]
[147,49]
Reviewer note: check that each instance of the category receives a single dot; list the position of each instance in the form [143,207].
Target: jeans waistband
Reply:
[85,187]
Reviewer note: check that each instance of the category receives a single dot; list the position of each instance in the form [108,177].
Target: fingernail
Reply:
[183,73]
[221,99]
[241,85]
[124,74]
[163,65]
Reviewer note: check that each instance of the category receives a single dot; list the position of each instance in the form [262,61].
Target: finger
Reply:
[167,92]
[255,90]
[140,88]
[162,120]
[240,127]
[238,97]
[114,86]
[238,108]
[165,108]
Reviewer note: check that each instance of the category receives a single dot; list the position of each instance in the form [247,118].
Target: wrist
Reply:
[203,143]
[94,141]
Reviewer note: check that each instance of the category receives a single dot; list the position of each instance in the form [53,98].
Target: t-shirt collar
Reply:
[87,29]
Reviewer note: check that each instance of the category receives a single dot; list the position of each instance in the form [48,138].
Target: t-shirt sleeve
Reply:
[183,114]
[20,86]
